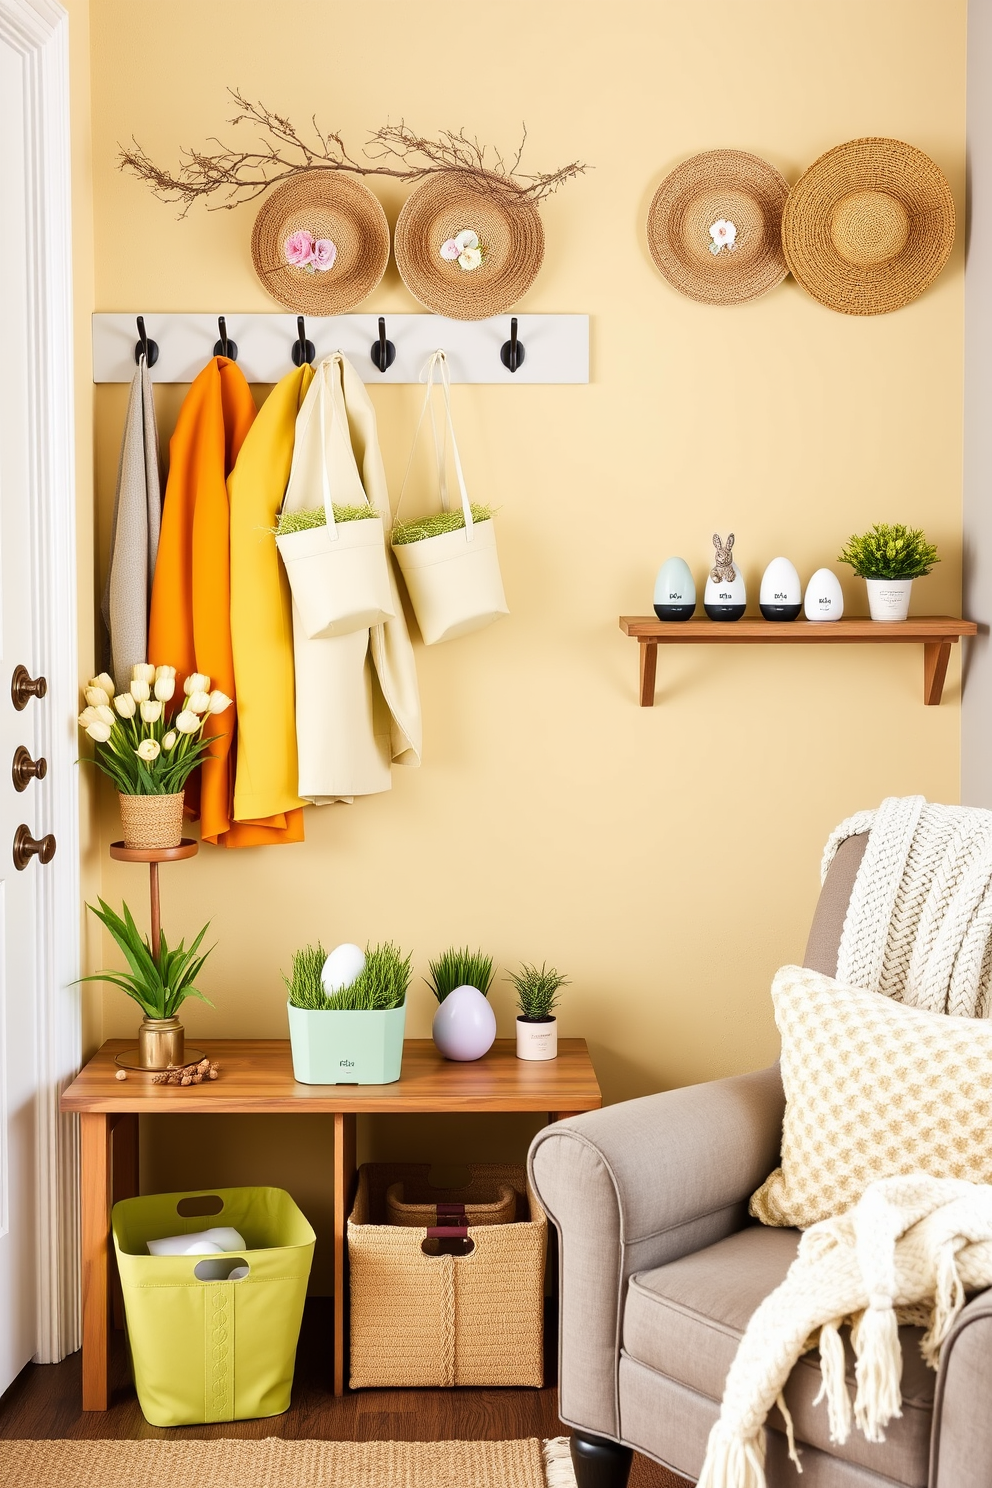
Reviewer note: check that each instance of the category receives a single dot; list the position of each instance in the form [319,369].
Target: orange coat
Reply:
[190,626]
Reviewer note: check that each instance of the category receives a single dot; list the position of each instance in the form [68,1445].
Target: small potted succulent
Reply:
[537,998]
[159,980]
[464,1025]
[347,1014]
[889,558]
[149,746]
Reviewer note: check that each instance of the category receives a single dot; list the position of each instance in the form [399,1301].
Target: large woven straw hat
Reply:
[323,208]
[869,226]
[714,227]
[459,204]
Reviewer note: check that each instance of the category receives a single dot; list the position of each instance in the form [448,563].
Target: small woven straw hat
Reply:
[331,208]
[869,226]
[714,227]
[510,237]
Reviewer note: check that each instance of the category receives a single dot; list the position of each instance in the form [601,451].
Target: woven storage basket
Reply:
[151,821]
[500,1209]
[435,1320]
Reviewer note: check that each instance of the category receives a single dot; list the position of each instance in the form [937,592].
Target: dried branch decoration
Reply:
[242,175]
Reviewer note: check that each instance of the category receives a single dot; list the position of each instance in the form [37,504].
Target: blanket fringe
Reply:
[558,1470]
[948,1302]
[878,1371]
[732,1462]
[833,1369]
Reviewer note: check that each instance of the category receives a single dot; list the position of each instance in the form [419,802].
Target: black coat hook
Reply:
[383,352]
[303,350]
[145,348]
[224,347]
[511,353]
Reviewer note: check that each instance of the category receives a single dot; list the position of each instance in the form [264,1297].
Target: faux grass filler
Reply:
[436,526]
[381,986]
[302,521]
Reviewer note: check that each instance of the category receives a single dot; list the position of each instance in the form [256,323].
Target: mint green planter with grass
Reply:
[346,1047]
[347,1014]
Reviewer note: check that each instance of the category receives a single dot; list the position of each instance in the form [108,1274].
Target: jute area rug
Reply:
[285,1464]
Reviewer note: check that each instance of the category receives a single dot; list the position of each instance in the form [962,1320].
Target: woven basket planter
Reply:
[429,1318]
[152,821]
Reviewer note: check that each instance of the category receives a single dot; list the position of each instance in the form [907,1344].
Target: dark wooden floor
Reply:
[43,1402]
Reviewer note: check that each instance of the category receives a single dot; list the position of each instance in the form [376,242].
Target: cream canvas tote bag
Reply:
[339,573]
[453,580]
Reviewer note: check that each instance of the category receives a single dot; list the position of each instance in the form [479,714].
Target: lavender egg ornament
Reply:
[464,1025]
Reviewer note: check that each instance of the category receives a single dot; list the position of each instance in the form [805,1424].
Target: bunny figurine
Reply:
[725,597]
[723,570]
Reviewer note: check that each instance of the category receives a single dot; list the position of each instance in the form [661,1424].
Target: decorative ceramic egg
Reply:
[464,1025]
[674,591]
[781,594]
[343,966]
[725,600]
[824,596]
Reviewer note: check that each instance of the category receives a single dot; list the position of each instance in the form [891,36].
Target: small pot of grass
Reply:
[537,998]
[347,1014]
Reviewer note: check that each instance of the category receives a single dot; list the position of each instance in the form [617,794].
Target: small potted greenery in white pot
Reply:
[347,1014]
[159,981]
[537,998]
[889,558]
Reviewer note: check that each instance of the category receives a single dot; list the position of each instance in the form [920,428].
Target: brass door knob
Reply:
[25,847]
[24,687]
[24,769]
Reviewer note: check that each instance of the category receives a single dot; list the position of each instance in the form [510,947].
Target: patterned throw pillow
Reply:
[873,1089]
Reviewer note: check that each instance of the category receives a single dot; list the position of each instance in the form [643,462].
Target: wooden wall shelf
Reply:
[937,633]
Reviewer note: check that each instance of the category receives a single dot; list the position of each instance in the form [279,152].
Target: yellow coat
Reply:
[261,616]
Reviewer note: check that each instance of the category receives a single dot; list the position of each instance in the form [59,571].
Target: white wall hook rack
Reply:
[556,346]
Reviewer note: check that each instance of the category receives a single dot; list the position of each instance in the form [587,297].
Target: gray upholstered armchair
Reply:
[661,1269]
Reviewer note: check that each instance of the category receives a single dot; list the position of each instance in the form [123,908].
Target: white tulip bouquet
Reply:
[147,747]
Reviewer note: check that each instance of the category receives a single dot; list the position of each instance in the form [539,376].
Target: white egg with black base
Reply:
[725,599]
[781,593]
[824,596]
[674,591]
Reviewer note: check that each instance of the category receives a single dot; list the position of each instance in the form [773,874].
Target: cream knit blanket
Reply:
[919,920]
[912,1243]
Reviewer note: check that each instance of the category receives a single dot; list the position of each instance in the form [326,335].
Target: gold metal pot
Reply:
[161,1043]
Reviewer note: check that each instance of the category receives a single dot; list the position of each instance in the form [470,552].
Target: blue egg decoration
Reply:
[674,591]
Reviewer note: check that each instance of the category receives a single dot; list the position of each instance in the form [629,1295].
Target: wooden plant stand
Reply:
[938,633]
[188,848]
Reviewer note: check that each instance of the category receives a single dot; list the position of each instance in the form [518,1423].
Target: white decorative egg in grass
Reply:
[464,1025]
[725,600]
[343,966]
[674,591]
[781,594]
[824,596]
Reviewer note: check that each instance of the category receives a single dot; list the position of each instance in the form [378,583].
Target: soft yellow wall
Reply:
[666,858]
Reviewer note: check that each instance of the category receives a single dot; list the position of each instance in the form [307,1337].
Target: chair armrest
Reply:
[632,1187]
[961,1442]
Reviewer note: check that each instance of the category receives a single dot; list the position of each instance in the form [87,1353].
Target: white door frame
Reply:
[38,30]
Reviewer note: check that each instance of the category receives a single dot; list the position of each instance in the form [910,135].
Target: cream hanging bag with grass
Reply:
[452,575]
[335,549]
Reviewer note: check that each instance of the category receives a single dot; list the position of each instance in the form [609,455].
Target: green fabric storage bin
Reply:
[205,1350]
